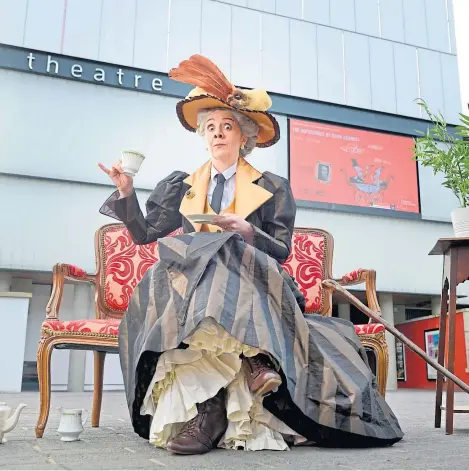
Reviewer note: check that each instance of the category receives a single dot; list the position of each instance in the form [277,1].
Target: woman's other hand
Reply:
[234,223]
[124,184]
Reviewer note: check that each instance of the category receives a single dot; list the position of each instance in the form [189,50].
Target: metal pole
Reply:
[334,286]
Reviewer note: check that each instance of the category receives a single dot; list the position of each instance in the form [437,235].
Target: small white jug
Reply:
[71,424]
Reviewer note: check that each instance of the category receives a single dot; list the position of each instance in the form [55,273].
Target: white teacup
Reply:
[131,162]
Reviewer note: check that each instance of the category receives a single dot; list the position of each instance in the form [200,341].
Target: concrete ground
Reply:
[115,446]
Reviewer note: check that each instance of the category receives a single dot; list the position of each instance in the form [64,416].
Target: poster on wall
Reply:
[431,348]
[400,361]
[341,168]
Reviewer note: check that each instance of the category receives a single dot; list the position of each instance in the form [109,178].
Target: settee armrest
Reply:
[363,275]
[61,272]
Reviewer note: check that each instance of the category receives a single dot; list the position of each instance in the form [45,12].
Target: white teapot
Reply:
[7,423]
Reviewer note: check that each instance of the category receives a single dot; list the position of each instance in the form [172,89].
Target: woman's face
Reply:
[223,136]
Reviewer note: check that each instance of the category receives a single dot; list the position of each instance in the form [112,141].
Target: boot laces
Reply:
[190,427]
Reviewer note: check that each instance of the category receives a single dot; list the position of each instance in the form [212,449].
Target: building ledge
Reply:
[15,294]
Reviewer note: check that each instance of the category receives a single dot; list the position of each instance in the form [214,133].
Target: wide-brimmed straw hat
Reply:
[213,90]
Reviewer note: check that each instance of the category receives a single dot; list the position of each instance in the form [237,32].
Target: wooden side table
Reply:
[455,253]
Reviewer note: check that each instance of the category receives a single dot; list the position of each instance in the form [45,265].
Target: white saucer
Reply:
[202,218]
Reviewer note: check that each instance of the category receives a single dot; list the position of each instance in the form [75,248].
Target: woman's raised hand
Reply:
[124,184]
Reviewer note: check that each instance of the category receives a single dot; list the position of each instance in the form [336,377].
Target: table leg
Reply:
[451,339]
[441,352]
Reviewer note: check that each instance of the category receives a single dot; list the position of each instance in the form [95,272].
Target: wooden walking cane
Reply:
[334,286]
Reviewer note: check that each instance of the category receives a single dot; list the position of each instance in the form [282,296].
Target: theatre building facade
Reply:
[81,80]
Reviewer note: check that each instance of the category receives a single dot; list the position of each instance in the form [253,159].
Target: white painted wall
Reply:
[364,53]
[113,379]
[13,316]
[36,316]
[461,10]
[61,129]
[436,201]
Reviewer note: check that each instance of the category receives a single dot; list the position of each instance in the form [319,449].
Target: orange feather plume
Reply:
[202,72]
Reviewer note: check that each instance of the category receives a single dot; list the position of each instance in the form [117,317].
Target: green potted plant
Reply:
[447,152]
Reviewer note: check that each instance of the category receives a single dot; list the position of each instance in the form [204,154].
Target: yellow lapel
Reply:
[194,199]
[249,196]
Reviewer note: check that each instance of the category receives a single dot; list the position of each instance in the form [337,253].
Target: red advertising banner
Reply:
[352,167]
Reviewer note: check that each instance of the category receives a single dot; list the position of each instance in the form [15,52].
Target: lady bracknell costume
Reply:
[215,349]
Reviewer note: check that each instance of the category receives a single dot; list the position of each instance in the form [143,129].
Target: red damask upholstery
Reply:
[76,271]
[99,327]
[369,329]
[352,276]
[123,266]
[125,263]
[306,264]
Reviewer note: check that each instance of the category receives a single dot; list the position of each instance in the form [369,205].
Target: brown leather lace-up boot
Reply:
[261,375]
[203,432]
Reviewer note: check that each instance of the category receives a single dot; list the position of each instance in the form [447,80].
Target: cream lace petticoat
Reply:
[184,378]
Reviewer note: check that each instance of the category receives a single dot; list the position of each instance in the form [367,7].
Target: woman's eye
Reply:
[210,128]
[228,127]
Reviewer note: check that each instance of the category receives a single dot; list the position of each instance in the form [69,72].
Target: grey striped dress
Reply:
[329,394]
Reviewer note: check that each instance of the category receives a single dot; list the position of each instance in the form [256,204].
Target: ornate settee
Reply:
[121,265]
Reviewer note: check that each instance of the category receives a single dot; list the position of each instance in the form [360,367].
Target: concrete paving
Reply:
[115,446]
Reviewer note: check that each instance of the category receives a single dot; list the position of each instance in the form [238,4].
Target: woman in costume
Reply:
[214,348]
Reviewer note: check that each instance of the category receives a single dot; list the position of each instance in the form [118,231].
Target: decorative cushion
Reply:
[306,264]
[369,329]
[124,264]
[94,327]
